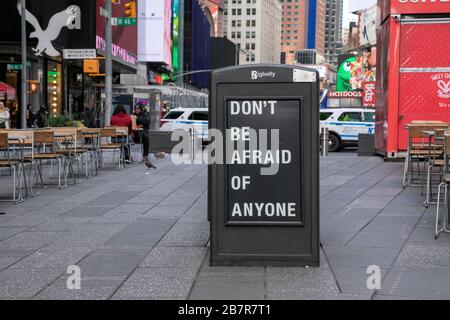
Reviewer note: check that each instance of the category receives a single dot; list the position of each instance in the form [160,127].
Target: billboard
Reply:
[124,45]
[154,31]
[368,26]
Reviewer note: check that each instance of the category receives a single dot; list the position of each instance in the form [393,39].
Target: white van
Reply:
[185,119]
[345,124]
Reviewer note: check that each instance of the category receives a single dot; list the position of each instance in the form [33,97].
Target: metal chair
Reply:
[109,134]
[14,165]
[420,149]
[44,150]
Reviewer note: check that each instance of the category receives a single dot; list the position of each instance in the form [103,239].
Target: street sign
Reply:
[79,54]
[123,22]
[91,66]
[16,66]
[264,197]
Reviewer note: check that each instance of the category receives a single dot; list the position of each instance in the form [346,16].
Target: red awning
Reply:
[7,92]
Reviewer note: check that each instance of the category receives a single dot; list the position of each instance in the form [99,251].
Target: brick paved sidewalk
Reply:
[139,234]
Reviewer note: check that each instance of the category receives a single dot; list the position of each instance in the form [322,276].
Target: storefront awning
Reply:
[7,92]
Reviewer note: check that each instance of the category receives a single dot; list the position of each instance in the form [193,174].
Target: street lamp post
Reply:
[108,63]
[23,107]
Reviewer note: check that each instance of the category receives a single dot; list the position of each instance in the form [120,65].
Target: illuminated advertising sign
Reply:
[175,34]
[154,31]
[124,46]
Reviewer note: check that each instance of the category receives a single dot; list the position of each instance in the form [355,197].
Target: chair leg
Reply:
[437,231]
[405,170]
[427,201]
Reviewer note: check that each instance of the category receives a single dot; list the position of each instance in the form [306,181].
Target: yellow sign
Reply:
[91,66]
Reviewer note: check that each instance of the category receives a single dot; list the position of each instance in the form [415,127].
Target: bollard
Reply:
[324,142]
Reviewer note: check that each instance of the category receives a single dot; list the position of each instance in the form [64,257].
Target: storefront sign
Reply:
[80,54]
[345,94]
[368,95]
[117,51]
[70,18]
[91,66]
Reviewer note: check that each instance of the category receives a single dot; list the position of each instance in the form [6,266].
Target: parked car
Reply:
[345,124]
[185,119]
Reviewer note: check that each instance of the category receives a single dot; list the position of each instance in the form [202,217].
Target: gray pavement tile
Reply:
[111,263]
[158,282]
[380,191]
[227,290]
[113,198]
[197,214]
[7,232]
[26,220]
[371,202]
[424,235]
[385,231]
[317,295]
[143,233]
[147,199]
[390,297]
[427,257]
[164,212]
[418,283]
[174,257]
[25,283]
[341,256]
[225,274]
[90,236]
[131,208]
[30,240]
[291,281]
[87,211]
[353,279]
[62,223]
[187,235]
[56,291]
[54,258]
[418,211]
[349,215]
[6,261]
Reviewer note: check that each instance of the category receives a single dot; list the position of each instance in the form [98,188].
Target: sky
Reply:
[353,5]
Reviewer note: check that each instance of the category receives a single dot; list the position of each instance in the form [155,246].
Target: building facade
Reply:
[59,84]
[255,27]
[303,28]
[333,30]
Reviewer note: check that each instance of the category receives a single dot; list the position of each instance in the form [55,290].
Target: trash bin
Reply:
[264,198]
[366,145]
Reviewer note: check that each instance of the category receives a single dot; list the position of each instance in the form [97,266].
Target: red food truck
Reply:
[413,69]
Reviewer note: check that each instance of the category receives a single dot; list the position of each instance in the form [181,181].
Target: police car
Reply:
[345,124]
[185,119]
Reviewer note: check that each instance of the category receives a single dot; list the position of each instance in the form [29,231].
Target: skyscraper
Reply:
[303,31]
[333,30]
[255,26]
